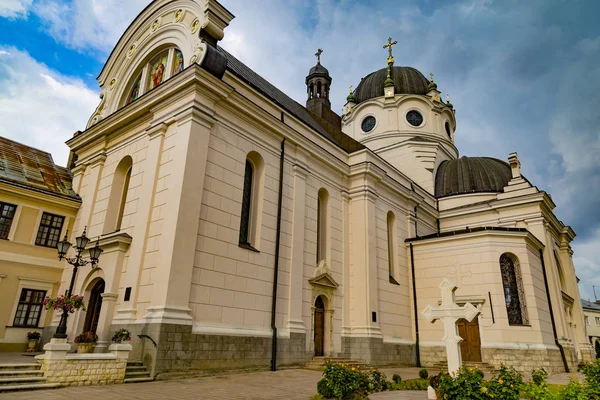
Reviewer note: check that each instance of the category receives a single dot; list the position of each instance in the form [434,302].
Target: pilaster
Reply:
[156,136]
[295,322]
[171,294]
[107,310]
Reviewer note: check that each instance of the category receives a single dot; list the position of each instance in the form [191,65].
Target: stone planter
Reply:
[32,345]
[84,348]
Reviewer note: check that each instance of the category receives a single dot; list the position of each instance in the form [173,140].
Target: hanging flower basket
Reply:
[122,335]
[64,303]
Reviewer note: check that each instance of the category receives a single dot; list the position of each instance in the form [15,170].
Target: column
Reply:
[127,312]
[171,294]
[109,300]
[295,322]
[96,166]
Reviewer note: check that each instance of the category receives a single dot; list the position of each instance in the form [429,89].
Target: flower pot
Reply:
[84,348]
[32,345]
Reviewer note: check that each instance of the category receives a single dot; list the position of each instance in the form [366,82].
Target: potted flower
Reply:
[32,341]
[64,303]
[122,335]
[85,342]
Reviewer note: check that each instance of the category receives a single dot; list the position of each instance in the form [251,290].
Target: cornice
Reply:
[38,195]
[477,233]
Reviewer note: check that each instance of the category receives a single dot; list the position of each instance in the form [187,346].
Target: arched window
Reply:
[448,130]
[391,240]
[319,89]
[158,69]
[118,195]
[514,294]
[322,224]
[251,202]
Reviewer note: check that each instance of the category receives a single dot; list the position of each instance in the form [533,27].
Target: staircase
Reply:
[487,369]
[15,377]
[136,372]
[318,363]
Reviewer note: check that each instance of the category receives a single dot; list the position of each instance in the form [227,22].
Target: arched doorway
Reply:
[470,347]
[319,326]
[94,305]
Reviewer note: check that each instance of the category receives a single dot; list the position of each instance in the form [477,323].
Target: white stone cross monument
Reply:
[450,312]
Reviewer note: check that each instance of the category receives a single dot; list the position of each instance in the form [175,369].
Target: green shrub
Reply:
[506,385]
[538,376]
[423,374]
[465,385]
[344,382]
[377,381]
[411,384]
[324,390]
[592,379]
[396,378]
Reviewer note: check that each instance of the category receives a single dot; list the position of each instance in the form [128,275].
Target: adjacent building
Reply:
[37,206]
[591,312]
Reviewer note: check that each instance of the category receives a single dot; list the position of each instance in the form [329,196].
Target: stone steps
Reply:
[136,372]
[17,377]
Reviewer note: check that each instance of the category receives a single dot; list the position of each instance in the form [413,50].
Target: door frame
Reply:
[94,306]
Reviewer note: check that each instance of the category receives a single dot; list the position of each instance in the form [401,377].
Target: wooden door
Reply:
[470,347]
[94,305]
[319,326]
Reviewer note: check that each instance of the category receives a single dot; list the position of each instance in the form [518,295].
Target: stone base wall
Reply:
[433,355]
[84,371]
[588,355]
[179,351]
[526,360]
[375,352]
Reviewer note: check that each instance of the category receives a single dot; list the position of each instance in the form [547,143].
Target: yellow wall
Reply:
[23,265]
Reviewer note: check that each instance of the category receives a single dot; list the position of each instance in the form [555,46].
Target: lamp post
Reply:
[76,262]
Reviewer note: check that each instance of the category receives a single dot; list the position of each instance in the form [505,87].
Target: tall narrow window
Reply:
[49,231]
[246,203]
[561,275]
[250,218]
[29,308]
[514,294]
[322,222]
[118,195]
[7,213]
[391,240]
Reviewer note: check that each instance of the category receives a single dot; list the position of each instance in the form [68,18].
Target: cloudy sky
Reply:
[523,75]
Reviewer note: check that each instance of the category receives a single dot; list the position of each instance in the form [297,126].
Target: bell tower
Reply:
[318,84]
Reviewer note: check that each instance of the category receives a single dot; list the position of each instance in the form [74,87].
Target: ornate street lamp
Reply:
[77,261]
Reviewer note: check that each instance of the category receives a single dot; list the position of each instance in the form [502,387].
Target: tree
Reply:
[597,348]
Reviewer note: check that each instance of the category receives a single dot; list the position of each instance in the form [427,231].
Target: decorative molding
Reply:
[324,280]
[116,241]
[2,276]
[167,315]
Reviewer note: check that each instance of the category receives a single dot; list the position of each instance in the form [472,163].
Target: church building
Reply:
[242,229]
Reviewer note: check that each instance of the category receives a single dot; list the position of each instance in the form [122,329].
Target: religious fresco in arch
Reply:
[135,90]
[157,70]
[177,62]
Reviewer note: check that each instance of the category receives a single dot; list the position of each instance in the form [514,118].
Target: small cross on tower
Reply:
[389,47]
[318,55]
[450,312]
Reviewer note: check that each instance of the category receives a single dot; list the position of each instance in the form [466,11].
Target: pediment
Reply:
[324,280]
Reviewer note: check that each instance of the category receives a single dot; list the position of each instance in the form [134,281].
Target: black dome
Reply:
[407,80]
[318,69]
[471,175]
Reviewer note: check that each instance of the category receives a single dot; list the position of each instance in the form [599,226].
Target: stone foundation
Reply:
[179,351]
[375,352]
[432,355]
[83,369]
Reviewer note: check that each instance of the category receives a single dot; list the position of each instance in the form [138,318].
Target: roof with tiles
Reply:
[34,169]
[589,305]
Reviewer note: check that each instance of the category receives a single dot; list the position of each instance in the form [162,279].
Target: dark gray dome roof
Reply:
[407,80]
[318,69]
[471,175]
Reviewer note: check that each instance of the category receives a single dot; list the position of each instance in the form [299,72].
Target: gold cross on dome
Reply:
[389,47]
[431,76]
[318,55]
[350,89]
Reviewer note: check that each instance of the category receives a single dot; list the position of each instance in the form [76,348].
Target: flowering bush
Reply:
[348,382]
[68,304]
[506,385]
[86,337]
[34,335]
[122,335]
[467,384]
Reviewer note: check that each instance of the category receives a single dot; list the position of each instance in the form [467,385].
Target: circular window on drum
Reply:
[368,124]
[414,118]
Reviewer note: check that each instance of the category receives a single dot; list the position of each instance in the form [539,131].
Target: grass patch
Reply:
[411,384]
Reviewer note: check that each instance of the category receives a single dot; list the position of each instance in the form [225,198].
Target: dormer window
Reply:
[161,67]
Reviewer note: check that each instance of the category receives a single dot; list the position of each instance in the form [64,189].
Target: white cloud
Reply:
[14,8]
[40,107]
[93,25]
[587,264]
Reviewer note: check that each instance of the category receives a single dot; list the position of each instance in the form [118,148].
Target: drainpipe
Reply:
[276,269]
[560,347]
[414,287]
